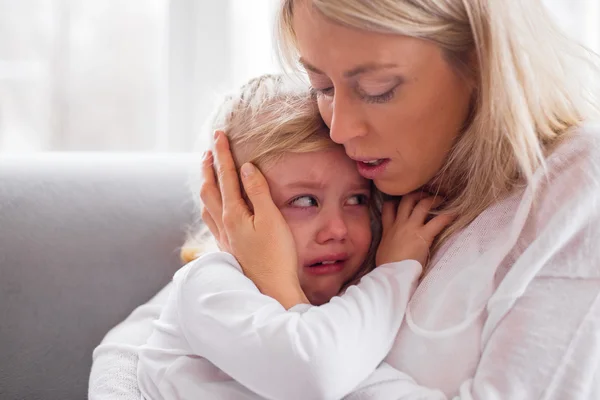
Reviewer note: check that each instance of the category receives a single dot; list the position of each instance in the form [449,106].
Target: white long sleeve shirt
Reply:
[510,308]
[219,336]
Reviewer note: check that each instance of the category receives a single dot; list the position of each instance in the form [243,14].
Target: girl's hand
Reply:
[259,239]
[407,235]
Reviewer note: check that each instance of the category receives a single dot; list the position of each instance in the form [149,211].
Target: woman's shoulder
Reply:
[580,149]
[564,216]
[573,169]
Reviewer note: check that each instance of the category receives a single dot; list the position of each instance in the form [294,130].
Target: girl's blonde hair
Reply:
[531,84]
[268,117]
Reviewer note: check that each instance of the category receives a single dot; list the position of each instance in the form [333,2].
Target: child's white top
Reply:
[218,337]
[509,310]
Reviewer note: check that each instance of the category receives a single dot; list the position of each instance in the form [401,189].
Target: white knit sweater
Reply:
[509,310]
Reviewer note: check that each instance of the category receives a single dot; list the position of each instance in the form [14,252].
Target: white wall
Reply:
[143,75]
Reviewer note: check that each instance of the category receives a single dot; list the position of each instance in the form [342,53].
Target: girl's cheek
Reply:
[298,214]
[361,226]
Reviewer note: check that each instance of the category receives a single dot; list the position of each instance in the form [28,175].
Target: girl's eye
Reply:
[304,202]
[358,200]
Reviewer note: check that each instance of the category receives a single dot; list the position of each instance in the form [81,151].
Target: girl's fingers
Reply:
[388,214]
[437,225]
[407,205]
[422,210]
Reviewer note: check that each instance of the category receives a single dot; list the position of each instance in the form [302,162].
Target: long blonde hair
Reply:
[268,117]
[531,87]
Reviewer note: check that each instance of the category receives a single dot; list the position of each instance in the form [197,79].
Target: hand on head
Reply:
[259,239]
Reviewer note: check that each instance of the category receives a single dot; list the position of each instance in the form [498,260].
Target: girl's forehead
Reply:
[316,169]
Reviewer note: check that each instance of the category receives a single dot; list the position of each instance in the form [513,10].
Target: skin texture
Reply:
[384,97]
[324,201]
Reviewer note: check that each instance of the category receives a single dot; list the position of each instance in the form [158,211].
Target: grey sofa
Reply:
[84,239]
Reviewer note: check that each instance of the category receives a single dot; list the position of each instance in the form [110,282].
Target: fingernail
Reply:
[216,134]
[247,170]
[204,155]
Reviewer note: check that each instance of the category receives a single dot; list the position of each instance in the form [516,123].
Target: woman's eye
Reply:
[378,92]
[358,200]
[328,91]
[378,98]
[304,201]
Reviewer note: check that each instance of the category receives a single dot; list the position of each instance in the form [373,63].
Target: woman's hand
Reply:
[259,239]
[407,235]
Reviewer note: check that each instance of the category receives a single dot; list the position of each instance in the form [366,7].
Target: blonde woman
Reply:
[334,223]
[488,104]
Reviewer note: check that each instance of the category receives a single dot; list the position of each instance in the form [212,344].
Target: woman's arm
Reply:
[115,360]
[305,353]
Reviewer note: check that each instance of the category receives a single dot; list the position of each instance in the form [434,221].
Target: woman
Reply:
[483,102]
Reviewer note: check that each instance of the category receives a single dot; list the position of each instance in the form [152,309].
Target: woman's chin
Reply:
[391,187]
[397,184]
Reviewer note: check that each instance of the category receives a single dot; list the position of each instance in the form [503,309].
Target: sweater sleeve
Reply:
[115,360]
[305,352]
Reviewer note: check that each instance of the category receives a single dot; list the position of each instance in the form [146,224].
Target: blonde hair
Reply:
[268,117]
[529,94]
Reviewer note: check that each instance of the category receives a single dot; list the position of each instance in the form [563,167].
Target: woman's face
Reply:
[393,101]
[325,203]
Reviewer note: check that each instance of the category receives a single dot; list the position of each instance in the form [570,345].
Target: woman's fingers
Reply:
[227,174]
[257,190]
[210,195]
[208,220]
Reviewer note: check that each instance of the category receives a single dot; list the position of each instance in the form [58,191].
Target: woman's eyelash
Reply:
[322,92]
[380,98]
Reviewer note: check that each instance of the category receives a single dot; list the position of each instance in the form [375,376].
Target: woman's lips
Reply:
[371,169]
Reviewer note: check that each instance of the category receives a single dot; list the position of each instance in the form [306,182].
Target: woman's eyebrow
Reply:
[365,68]
[361,69]
[309,67]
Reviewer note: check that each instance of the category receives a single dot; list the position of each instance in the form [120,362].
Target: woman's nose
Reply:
[333,228]
[346,121]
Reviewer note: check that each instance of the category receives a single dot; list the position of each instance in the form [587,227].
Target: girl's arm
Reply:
[546,346]
[304,353]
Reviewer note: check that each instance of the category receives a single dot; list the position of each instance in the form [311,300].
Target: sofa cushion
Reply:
[84,239]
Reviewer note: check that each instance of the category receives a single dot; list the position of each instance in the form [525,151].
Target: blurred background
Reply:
[143,75]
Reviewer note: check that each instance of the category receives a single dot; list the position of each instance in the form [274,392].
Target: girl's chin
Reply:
[322,295]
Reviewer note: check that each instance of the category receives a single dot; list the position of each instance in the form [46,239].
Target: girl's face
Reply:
[326,204]
[394,102]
